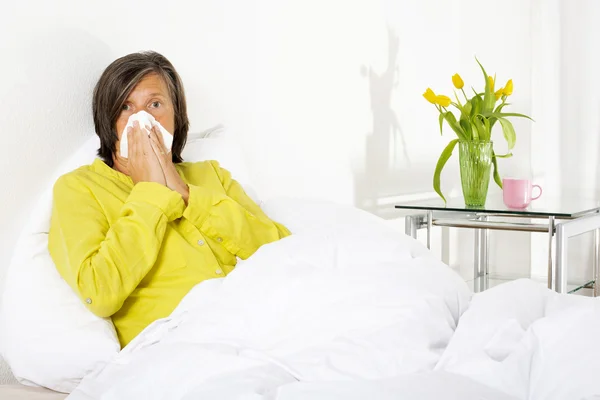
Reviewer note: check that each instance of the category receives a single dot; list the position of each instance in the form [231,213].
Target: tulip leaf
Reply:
[500,107]
[451,120]
[509,132]
[492,123]
[489,99]
[493,116]
[441,121]
[467,127]
[496,174]
[467,109]
[476,102]
[509,155]
[476,93]
[493,120]
[502,115]
[479,131]
[488,129]
[458,105]
[446,154]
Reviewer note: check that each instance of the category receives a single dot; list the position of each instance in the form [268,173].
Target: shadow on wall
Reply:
[388,171]
[46,116]
[53,72]
[597,177]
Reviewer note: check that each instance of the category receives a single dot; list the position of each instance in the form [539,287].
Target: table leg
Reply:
[596,262]
[564,231]
[410,225]
[429,225]
[550,264]
[562,247]
[446,245]
[481,264]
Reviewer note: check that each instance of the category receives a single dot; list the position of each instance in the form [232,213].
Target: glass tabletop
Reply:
[545,206]
[583,288]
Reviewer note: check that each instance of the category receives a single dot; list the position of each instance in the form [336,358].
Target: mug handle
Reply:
[539,195]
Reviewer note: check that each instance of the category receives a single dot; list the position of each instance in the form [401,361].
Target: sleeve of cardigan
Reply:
[231,217]
[104,264]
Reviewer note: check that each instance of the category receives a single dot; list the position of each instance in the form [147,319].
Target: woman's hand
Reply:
[172,178]
[143,164]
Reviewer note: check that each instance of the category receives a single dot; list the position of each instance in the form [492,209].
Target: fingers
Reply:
[156,137]
[160,138]
[158,153]
[146,145]
[132,144]
[140,142]
[158,149]
[136,134]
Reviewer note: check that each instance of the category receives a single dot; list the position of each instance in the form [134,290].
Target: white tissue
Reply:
[146,120]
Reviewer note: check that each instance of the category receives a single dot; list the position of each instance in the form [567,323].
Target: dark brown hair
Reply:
[115,85]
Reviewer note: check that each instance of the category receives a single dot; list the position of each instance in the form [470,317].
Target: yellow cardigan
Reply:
[132,252]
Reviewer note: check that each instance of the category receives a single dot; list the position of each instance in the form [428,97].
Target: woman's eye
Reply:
[155,104]
[125,107]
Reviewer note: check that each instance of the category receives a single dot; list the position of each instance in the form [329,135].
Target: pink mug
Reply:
[516,193]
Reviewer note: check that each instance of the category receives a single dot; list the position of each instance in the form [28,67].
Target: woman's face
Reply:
[151,95]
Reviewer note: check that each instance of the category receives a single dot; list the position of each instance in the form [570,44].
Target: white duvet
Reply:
[354,310]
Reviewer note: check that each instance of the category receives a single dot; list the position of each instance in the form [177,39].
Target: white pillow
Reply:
[306,215]
[47,336]
[310,215]
[217,144]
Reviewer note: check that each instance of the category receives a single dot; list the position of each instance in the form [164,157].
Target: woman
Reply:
[133,235]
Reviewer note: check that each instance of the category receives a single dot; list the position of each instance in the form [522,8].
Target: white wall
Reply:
[579,135]
[566,100]
[324,95]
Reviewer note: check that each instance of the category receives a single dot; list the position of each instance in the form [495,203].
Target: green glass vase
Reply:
[475,159]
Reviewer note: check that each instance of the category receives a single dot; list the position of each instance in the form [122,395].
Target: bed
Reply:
[22,392]
[304,319]
[345,308]
[354,310]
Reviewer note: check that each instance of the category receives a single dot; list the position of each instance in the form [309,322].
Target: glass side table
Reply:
[564,218]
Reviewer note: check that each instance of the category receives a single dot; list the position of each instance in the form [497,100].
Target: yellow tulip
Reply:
[457,81]
[491,80]
[508,89]
[430,96]
[499,93]
[442,100]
